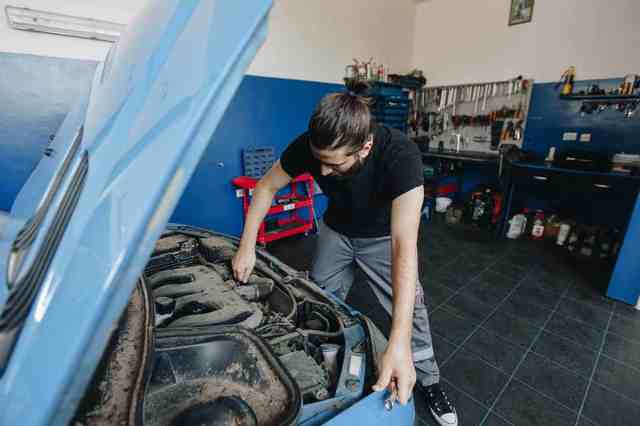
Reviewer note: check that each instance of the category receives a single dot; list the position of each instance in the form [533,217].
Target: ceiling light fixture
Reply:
[22,18]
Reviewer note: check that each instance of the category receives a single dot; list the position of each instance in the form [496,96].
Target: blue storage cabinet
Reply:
[391,105]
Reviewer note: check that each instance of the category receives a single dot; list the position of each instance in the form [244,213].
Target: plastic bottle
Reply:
[563,234]
[517,226]
[538,226]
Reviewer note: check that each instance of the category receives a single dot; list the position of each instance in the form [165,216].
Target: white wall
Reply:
[308,39]
[469,40]
[15,41]
[316,39]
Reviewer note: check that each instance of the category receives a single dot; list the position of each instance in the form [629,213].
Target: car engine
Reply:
[274,350]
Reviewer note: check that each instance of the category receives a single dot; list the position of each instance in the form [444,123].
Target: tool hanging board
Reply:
[475,117]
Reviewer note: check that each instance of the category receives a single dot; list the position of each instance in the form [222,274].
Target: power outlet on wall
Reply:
[570,136]
[585,137]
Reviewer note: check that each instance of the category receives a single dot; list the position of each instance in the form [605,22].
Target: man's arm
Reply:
[397,361]
[245,259]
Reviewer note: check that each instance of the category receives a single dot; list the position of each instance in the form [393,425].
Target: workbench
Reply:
[464,156]
[475,158]
[594,197]
[571,187]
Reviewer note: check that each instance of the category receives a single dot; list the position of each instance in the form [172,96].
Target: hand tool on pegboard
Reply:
[486,94]
[455,100]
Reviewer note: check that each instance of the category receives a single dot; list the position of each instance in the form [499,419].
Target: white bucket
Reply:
[442,204]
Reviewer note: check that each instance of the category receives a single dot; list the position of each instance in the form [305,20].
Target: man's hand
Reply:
[397,366]
[245,259]
[243,263]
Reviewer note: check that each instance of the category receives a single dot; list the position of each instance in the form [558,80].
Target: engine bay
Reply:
[319,344]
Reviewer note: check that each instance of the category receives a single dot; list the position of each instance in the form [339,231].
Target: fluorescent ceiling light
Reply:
[21,18]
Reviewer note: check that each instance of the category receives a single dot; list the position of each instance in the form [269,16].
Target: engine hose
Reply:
[262,267]
[338,333]
[321,333]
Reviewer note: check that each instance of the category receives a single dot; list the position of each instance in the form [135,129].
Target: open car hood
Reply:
[84,225]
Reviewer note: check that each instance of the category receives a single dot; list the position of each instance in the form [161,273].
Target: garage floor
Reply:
[522,337]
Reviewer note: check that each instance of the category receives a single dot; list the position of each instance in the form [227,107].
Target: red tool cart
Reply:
[286,213]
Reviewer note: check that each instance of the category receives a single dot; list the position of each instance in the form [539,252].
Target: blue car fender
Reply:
[371,411]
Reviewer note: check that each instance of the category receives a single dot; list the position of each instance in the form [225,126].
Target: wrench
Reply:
[390,402]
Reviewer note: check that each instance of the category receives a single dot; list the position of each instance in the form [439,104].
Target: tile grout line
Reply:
[552,361]
[455,293]
[633,367]
[493,311]
[473,398]
[595,366]
[628,339]
[538,391]
[468,284]
[524,356]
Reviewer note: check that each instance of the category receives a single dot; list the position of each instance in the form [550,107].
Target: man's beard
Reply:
[353,170]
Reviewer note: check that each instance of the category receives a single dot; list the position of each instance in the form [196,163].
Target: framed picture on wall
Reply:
[521,11]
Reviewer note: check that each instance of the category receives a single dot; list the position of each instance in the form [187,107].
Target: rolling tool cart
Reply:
[293,212]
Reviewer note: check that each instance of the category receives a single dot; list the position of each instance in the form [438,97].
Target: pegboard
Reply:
[442,105]
[551,116]
[257,161]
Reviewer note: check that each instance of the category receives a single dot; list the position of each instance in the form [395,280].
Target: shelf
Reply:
[291,206]
[287,230]
[463,155]
[600,97]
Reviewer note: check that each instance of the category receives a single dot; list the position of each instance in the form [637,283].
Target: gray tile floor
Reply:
[523,335]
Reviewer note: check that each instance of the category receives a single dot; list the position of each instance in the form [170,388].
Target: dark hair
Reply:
[342,120]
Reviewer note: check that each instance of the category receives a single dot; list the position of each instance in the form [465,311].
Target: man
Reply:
[373,178]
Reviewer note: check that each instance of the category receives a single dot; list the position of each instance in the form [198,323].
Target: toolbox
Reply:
[391,105]
[292,213]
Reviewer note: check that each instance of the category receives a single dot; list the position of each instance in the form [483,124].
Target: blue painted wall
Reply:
[37,92]
[550,117]
[264,112]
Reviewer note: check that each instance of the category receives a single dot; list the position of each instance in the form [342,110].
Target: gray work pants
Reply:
[333,269]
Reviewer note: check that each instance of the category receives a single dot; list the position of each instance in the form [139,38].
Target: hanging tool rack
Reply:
[474,117]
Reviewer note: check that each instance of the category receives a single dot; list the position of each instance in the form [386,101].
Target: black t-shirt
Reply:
[360,205]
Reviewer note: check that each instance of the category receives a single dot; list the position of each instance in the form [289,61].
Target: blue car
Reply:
[110,316]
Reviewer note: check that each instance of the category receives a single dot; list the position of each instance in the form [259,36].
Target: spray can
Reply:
[568,76]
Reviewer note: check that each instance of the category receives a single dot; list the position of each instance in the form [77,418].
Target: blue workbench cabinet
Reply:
[625,282]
